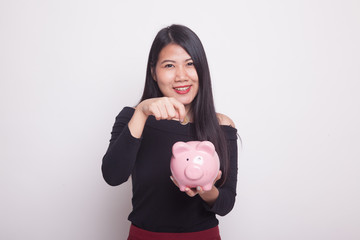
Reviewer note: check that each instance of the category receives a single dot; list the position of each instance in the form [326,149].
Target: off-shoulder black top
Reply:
[158,205]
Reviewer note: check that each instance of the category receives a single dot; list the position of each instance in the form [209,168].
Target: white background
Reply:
[286,72]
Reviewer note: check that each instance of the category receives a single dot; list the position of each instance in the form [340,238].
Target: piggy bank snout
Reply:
[194,172]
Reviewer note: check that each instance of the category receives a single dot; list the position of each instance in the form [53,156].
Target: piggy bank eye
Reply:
[198,160]
[187,159]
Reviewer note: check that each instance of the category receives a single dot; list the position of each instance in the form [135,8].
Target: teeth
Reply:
[182,89]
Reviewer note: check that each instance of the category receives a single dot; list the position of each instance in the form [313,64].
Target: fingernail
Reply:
[198,188]
[181,120]
[171,178]
[187,189]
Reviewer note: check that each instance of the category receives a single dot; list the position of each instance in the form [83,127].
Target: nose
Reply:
[181,74]
[193,172]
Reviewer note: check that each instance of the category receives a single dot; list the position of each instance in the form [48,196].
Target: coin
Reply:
[185,121]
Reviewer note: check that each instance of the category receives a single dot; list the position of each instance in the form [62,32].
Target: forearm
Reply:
[137,123]
[160,108]
[120,158]
[225,200]
[210,196]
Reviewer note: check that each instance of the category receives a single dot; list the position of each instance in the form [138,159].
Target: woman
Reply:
[177,105]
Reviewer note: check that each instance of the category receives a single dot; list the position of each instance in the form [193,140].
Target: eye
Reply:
[199,160]
[187,159]
[169,65]
[190,64]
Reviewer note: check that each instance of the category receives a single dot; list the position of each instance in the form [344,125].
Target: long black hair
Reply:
[204,116]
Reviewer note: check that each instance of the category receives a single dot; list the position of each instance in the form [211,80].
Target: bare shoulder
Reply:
[225,120]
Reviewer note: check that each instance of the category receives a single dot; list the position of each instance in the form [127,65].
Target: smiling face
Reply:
[176,75]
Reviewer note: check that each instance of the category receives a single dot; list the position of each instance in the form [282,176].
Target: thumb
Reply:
[177,115]
[218,176]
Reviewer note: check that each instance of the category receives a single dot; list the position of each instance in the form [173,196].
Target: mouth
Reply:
[182,89]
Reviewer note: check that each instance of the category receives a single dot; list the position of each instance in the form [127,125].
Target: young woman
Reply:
[177,105]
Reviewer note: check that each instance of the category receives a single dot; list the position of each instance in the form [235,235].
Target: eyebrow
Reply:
[172,61]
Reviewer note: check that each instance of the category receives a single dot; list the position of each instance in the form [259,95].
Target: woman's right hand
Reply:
[163,108]
[160,108]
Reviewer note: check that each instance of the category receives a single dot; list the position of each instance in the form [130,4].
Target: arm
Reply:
[120,156]
[221,200]
[227,193]
[160,108]
[210,197]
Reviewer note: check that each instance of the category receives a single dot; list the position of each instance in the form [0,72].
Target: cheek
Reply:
[193,75]
[180,165]
[164,77]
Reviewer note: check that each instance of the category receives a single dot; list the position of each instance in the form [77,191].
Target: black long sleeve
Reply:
[120,157]
[227,193]
[158,205]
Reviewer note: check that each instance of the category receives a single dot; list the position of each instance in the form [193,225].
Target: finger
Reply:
[171,112]
[218,176]
[174,181]
[180,108]
[190,192]
[154,110]
[162,110]
[199,190]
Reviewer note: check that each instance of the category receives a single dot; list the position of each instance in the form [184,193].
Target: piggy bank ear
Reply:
[206,146]
[180,147]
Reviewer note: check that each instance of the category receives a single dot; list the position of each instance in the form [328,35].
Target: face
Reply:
[176,75]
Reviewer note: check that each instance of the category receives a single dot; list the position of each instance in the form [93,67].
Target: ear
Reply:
[180,147]
[207,147]
[153,74]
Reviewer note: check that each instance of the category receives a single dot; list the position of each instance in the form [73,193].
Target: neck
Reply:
[188,112]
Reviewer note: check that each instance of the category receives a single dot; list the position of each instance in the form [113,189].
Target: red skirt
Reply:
[140,234]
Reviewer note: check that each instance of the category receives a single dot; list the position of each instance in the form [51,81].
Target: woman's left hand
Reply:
[198,190]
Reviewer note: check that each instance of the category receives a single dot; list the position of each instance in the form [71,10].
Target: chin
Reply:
[185,102]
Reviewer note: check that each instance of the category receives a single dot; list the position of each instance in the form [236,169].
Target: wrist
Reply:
[139,111]
[210,196]
[137,123]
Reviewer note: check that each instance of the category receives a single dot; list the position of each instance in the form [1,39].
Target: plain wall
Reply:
[286,72]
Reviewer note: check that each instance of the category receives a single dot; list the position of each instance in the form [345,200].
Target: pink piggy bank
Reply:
[194,164]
